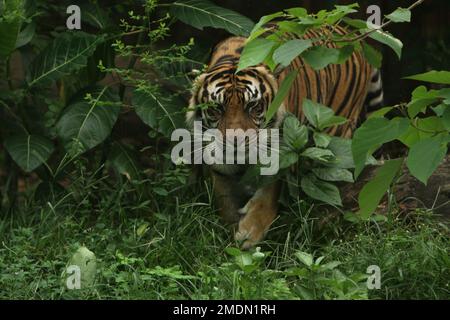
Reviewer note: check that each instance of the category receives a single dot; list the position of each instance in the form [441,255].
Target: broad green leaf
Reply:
[446,118]
[89,122]
[355,23]
[321,140]
[321,190]
[26,35]
[304,258]
[233,251]
[422,128]
[333,174]
[287,158]
[419,105]
[297,12]
[389,40]
[372,55]
[204,13]
[425,156]
[441,77]
[12,14]
[281,94]
[29,151]
[124,161]
[400,15]
[255,52]
[371,135]
[439,109]
[9,31]
[318,154]
[380,112]
[86,261]
[320,116]
[345,53]
[259,29]
[319,57]
[421,98]
[295,135]
[96,16]
[66,54]
[333,121]
[291,27]
[373,191]
[162,112]
[316,113]
[342,149]
[290,50]
[340,12]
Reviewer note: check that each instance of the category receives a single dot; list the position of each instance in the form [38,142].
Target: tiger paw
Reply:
[251,230]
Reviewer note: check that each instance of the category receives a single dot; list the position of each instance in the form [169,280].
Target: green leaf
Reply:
[345,53]
[372,55]
[203,13]
[446,118]
[380,112]
[295,135]
[282,92]
[422,128]
[297,12]
[124,161]
[89,122]
[290,50]
[425,156]
[373,191]
[162,112]
[421,98]
[9,31]
[259,29]
[441,77]
[400,15]
[287,158]
[29,151]
[235,252]
[320,116]
[342,149]
[96,16]
[316,113]
[26,35]
[304,258]
[389,40]
[318,154]
[321,140]
[371,135]
[319,57]
[255,52]
[66,54]
[333,174]
[321,190]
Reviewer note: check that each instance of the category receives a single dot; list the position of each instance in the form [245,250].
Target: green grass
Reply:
[178,249]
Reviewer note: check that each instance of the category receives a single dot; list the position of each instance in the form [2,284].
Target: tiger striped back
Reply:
[248,93]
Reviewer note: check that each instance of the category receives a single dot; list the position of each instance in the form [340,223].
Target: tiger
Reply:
[242,99]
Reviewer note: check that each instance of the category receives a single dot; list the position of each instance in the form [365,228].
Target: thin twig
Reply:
[385,24]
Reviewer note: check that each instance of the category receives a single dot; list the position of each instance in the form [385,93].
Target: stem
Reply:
[385,24]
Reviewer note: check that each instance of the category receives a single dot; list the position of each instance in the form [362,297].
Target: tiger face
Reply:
[236,103]
[233,100]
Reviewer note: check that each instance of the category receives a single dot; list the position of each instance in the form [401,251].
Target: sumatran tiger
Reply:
[242,100]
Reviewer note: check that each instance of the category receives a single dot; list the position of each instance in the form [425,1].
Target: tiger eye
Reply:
[256,109]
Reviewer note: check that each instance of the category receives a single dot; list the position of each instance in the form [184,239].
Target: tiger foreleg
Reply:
[227,199]
[258,215]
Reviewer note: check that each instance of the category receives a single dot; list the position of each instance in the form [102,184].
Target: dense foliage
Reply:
[63,94]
